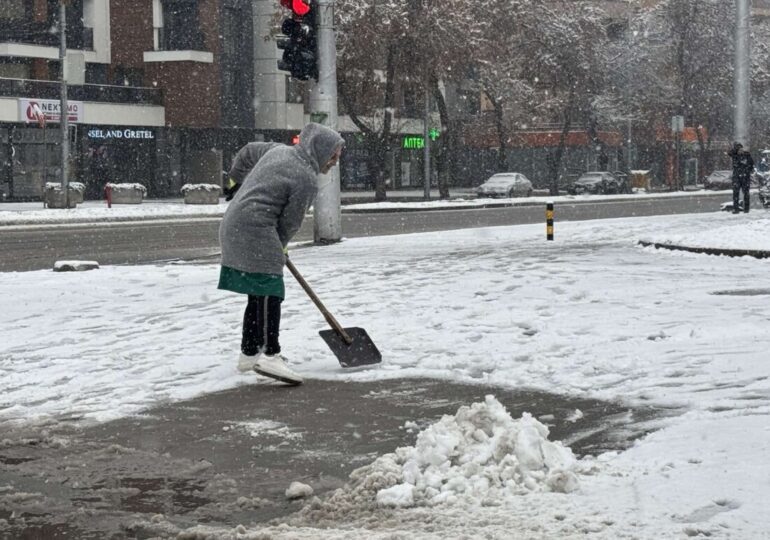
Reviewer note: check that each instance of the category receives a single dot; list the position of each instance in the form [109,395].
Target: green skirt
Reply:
[254,284]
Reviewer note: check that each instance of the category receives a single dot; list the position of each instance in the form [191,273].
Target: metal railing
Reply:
[31,88]
[41,33]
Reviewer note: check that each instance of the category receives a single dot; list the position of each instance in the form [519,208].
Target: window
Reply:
[96,73]
[12,10]
[233,30]
[413,102]
[295,90]
[74,21]
[13,68]
[181,26]
[15,21]
[88,24]
[123,76]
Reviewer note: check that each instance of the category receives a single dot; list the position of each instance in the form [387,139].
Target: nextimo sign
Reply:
[30,111]
[120,134]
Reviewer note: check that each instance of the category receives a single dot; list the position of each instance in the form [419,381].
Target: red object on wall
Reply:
[540,139]
[297,6]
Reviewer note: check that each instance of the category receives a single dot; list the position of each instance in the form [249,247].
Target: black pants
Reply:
[738,186]
[261,324]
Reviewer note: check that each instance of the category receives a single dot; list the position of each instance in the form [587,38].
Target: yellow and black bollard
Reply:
[549,220]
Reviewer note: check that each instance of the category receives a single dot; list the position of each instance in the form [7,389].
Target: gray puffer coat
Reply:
[269,207]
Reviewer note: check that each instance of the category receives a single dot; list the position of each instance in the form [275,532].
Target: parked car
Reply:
[719,180]
[599,182]
[506,185]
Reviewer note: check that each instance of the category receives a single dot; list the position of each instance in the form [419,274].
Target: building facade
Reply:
[161,92]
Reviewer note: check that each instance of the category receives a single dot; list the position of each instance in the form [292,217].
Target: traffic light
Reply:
[300,56]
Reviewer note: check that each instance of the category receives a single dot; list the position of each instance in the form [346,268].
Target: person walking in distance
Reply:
[743,167]
[265,213]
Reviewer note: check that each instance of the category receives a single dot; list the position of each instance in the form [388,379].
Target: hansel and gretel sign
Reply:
[126,133]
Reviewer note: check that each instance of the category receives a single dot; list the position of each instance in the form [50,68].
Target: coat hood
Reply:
[319,143]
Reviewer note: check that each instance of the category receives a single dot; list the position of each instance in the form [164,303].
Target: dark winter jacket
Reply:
[743,165]
[247,157]
[243,162]
[269,207]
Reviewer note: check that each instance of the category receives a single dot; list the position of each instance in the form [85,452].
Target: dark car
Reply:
[599,182]
[719,180]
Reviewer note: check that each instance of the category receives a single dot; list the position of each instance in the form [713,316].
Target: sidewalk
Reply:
[347,197]
[227,458]
[33,213]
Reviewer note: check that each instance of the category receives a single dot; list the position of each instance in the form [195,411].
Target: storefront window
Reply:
[118,155]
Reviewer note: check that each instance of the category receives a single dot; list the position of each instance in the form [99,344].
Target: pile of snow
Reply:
[480,454]
[126,186]
[75,266]
[71,186]
[200,187]
[298,490]
[745,233]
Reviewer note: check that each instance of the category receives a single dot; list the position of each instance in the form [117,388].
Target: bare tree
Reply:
[685,61]
[567,67]
[390,44]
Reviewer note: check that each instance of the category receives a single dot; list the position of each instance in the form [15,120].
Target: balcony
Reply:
[86,92]
[38,33]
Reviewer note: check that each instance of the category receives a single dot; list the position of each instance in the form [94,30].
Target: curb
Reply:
[521,202]
[344,210]
[757,254]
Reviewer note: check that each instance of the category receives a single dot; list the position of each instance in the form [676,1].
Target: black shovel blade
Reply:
[361,352]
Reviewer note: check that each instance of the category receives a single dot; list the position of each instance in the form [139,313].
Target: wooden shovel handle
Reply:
[317,301]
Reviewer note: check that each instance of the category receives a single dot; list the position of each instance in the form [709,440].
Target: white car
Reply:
[719,180]
[505,185]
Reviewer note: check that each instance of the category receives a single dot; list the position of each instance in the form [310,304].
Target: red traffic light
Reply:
[299,7]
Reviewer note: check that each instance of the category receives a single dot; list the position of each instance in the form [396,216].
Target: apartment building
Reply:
[160,92]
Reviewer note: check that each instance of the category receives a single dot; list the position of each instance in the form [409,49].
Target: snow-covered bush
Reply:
[201,193]
[53,196]
[127,193]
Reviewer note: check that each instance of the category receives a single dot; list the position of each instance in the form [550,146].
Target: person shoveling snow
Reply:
[265,214]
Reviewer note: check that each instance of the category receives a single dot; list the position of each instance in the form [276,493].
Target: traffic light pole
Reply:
[426,141]
[323,109]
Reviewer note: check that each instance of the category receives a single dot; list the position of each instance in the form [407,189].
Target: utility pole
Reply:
[426,140]
[629,149]
[741,80]
[323,106]
[63,106]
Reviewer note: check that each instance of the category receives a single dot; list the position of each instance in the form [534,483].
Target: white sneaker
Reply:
[275,367]
[246,363]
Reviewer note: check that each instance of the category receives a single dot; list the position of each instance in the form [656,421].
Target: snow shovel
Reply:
[352,346]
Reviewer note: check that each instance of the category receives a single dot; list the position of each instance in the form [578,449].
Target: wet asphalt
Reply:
[227,458]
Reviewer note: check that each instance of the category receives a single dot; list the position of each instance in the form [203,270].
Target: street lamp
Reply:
[741,86]
[63,106]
